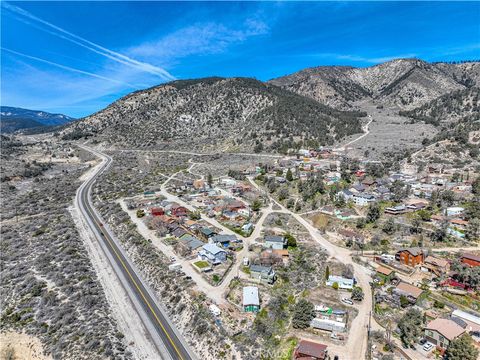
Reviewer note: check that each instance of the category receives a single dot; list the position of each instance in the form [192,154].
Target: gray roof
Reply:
[192,242]
[366,196]
[250,296]
[212,249]
[275,238]
[207,231]
[260,269]
[224,238]
[413,250]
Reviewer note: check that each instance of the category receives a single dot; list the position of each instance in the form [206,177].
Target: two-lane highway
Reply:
[173,345]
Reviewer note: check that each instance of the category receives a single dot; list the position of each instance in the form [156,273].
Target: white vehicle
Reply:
[428,346]
[347,301]
[173,259]
[387,257]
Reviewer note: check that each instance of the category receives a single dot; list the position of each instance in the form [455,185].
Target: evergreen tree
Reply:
[461,348]
[303,313]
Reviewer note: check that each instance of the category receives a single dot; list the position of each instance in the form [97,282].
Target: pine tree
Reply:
[289,175]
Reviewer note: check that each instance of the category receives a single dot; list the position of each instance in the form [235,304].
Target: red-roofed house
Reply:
[309,350]
[157,211]
[470,259]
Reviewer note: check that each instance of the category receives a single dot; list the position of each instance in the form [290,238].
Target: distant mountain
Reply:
[405,83]
[13,119]
[217,113]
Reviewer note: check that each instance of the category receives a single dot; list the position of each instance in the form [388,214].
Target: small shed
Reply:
[251,302]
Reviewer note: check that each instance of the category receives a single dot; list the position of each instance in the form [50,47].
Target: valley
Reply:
[229,218]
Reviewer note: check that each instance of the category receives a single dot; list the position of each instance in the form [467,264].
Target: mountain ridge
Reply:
[231,113]
[405,83]
[15,118]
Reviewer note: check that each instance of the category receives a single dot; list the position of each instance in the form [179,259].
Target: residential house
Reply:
[263,273]
[246,228]
[436,265]
[157,211]
[275,242]
[411,292]
[309,350]
[328,324]
[351,236]
[471,321]
[458,224]
[360,199]
[228,182]
[454,211]
[383,192]
[470,259]
[346,214]
[411,256]
[251,300]
[440,332]
[368,181]
[271,257]
[177,210]
[187,244]
[223,240]
[178,232]
[235,205]
[206,233]
[343,283]
[213,254]
[396,210]
[384,273]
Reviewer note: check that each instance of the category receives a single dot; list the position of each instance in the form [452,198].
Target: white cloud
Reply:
[359,58]
[198,39]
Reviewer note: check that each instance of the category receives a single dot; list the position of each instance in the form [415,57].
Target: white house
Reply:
[343,283]
[359,199]
[213,254]
[453,211]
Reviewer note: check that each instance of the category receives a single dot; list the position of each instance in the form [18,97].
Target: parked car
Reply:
[347,301]
[173,259]
[428,346]
[336,336]
[422,341]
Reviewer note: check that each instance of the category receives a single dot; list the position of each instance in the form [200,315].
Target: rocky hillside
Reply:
[405,83]
[330,85]
[460,105]
[226,113]
[13,119]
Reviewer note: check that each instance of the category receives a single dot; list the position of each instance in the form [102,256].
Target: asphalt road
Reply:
[173,344]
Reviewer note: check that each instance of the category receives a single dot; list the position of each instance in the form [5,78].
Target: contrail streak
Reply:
[78,40]
[67,67]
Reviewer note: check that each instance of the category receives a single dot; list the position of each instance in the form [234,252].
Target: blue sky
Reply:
[77,57]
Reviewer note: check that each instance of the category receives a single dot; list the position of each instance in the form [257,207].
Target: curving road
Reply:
[167,339]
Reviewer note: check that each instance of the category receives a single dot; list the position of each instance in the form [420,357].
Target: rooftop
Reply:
[312,349]
[409,289]
[212,249]
[274,238]
[250,296]
[383,270]
[415,251]
[448,328]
